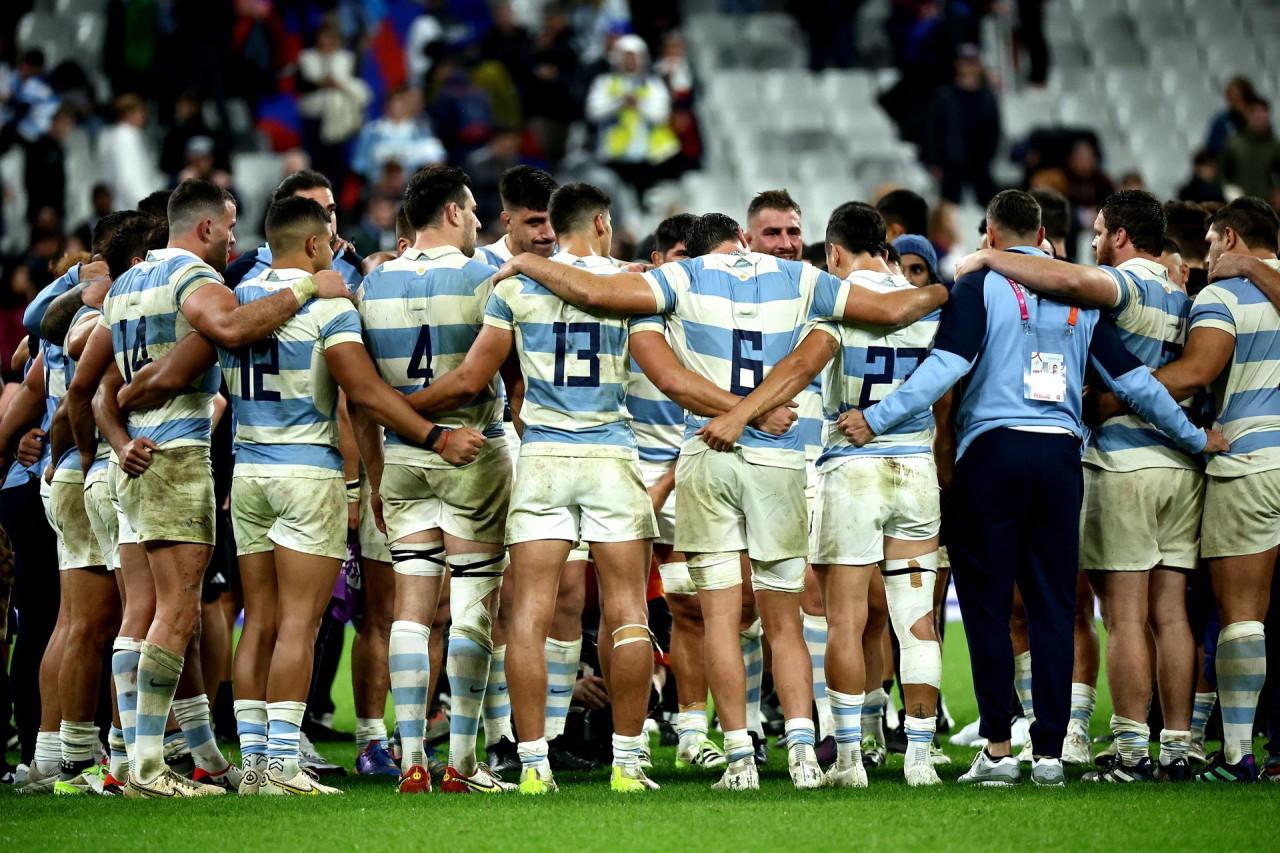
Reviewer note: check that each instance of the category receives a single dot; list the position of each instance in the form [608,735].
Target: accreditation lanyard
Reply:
[1026,318]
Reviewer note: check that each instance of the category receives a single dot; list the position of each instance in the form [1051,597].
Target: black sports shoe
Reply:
[1116,771]
[667,735]
[1177,770]
[760,746]
[897,739]
[320,731]
[563,759]
[1220,771]
[502,756]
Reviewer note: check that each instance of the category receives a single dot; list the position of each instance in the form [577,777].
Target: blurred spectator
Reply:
[460,109]
[200,163]
[45,172]
[259,44]
[904,212]
[1087,185]
[674,69]
[486,167]
[16,290]
[1203,184]
[131,49]
[965,132]
[1131,181]
[630,108]
[1031,34]
[549,100]
[593,21]
[508,43]
[126,161]
[831,27]
[1238,94]
[403,134]
[332,103]
[377,228]
[188,123]
[27,101]
[102,203]
[424,33]
[1250,159]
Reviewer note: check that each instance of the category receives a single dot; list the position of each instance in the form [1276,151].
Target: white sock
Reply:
[118,764]
[753,661]
[251,726]
[1133,739]
[467,667]
[691,726]
[920,733]
[157,680]
[284,725]
[1083,699]
[192,715]
[77,741]
[48,755]
[1173,745]
[847,710]
[1201,710]
[410,664]
[369,729]
[626,751]
[815,640]
[497,700]
[801,736]
[873,715]
[737,745]
[533,753]
[1022,684]
[1242,669]
[562,671]
[124,672]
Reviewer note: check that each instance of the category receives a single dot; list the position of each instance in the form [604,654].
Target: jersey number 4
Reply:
[420,361]
[888,357]
[134,346]
[589,353]
[258,361]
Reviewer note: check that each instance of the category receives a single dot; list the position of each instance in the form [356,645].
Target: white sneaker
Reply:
[1047,773]
[1020,732]
[699,752]
[937,756]
[802,764]
[250,781]
[920,774]
[992,772]
[1026,755]
[39,782]
[853,776]
[300,785]
[169,785]
[646,756]
[1196,753]
[968,736]
[740,775]
[1075,746]
[228,779]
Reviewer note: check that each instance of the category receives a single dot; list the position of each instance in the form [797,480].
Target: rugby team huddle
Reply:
[772,445]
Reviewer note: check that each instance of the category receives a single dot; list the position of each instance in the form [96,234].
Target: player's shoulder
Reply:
[243,266]
[879,282]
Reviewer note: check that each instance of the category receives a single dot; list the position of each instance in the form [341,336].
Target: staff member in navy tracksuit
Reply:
[1018,482]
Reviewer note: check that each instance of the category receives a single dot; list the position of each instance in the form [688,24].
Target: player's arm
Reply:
[215,313]
[488,353]
[1137,386]
[787,379]
[368,436]
[351,366]
[944,437]
[1093,286]
[513,381]
[134,454]
[79,336]
[1236,265]
[95,281]
[90,370]
[25,408]
[893,309]
[161,380]
[60,440]
[1207,353]
[624,293]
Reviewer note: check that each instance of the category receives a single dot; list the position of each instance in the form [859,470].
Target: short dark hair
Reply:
[1170,247]
[905,208]
[1015,212]
[771,200]
[673,230]
[1185,224]
[136,236]
[107,225]
[156,204]
[1055,213]
[573,206]
[1253,220]
[1203,157]
[894,256]
[193,200]
[710,230]
[815,254]
[292,219]
[526,187]
[430,191]
[858,227]
[404,231]
[300,182]
[1140,214]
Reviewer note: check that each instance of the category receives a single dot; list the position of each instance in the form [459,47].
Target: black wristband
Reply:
[436,432]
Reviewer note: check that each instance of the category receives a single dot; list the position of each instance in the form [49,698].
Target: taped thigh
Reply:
[716,570]
[778,575]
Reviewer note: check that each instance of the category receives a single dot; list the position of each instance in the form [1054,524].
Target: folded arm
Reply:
[1207,353]
[159,381]
[1093,286]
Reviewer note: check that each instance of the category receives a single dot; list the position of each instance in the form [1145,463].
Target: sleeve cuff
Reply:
[659,298]
[498,323]
[1214,323]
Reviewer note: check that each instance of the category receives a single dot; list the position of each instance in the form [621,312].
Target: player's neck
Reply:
[862,263]
[578,244]
[188,244]
[434,238]
[294,262]
[1123,257]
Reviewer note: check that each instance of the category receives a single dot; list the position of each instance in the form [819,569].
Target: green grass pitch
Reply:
[684,816]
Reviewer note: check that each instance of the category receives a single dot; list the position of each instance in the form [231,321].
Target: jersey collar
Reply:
[1147,268]
[586,261]
[435,253]
[165,254]
[285,275]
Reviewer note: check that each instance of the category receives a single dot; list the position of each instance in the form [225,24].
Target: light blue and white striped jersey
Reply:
[1246,395]
[143,311]
[871,363]
[1151,314]
[496,253]
[69,470]
[576,366]
[809,418]
[731,318]
[657,421]
[421,312]
[284,400]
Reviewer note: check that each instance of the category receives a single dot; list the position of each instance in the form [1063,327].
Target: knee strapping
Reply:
[474,577]
[717,570]
[908,587]
[418,559]
[778,575]
[633,632]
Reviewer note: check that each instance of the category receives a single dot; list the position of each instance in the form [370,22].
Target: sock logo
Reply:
[477,689]
[162,685]
[557,691]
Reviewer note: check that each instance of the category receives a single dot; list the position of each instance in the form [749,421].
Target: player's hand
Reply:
[1101,406]
[507,270]
[137,456]
[638,266]
[1215,442]
[777,421]
[353,516]
[96,278]
[854,426]
[589,690]
[971,263]
[340,245]
[1231,265]
[31,447]
[722,432]
[48,474]
[659,494]
[331,285]
[459,446]
[375,504]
